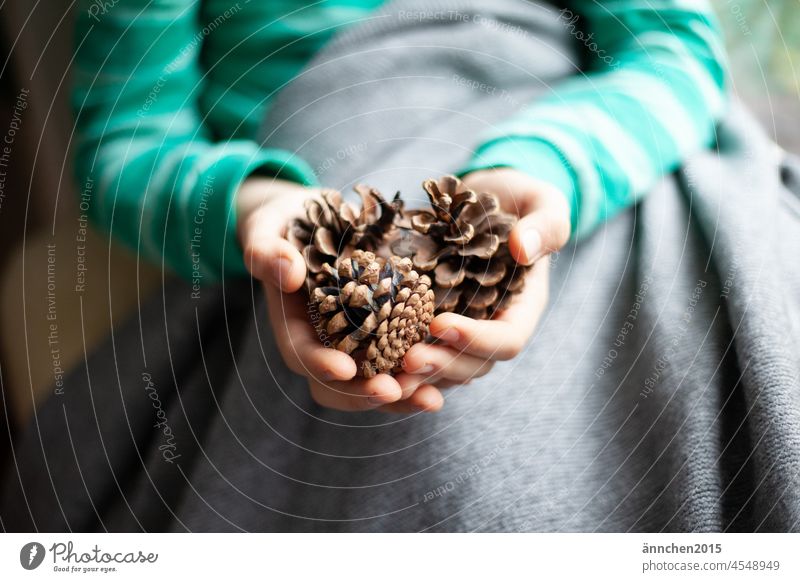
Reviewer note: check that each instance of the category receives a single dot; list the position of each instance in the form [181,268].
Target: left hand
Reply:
[468,348]
[264,207]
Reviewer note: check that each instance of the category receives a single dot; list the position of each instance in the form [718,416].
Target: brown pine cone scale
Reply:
[333,228]
[373,309]
[462,242]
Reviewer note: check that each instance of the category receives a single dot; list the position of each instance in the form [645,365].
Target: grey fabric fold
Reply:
[659,393]
[408,93]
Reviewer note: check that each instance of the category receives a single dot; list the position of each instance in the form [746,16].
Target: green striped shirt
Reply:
[168,96]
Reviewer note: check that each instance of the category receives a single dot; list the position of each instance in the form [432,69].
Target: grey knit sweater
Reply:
[660,391]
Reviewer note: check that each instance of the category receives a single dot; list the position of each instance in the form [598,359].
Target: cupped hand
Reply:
[468,348]
[265,206]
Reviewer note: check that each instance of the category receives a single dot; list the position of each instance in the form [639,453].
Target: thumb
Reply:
[273,259]
[542,231]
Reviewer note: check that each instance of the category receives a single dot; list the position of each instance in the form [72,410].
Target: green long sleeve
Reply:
[167,97]
[653,90]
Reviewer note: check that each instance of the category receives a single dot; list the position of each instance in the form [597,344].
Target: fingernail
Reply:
[532,243]
[426,407]
[378,400]
[449,335]
[426,369]
[281,269]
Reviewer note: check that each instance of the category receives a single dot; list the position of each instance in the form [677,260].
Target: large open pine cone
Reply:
[333,228]
[372,308]
[462,243]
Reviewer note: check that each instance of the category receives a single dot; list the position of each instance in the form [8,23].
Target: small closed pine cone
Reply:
[333,228]
[372,308]
[461,242]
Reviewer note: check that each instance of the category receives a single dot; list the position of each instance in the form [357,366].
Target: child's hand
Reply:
[265,206]
[469,348]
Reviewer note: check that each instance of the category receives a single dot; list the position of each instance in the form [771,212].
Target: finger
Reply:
[542,230]
[409,383]
[438,362]
[426,398]
[487,339]
[503,337]
[268,255]
[355,395]
[445,384]
[299,342]
[272,259]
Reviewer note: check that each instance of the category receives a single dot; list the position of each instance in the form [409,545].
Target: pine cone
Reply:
[462,243]
[333,228]
[372,308]
[370,271]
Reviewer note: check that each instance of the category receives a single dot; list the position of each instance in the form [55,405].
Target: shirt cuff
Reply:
[225,256]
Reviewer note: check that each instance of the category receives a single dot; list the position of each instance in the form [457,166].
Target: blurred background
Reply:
[763,37]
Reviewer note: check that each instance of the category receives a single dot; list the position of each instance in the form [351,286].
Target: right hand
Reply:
[264,207]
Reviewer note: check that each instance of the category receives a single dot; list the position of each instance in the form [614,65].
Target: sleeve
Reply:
[653,90]
[159,182]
